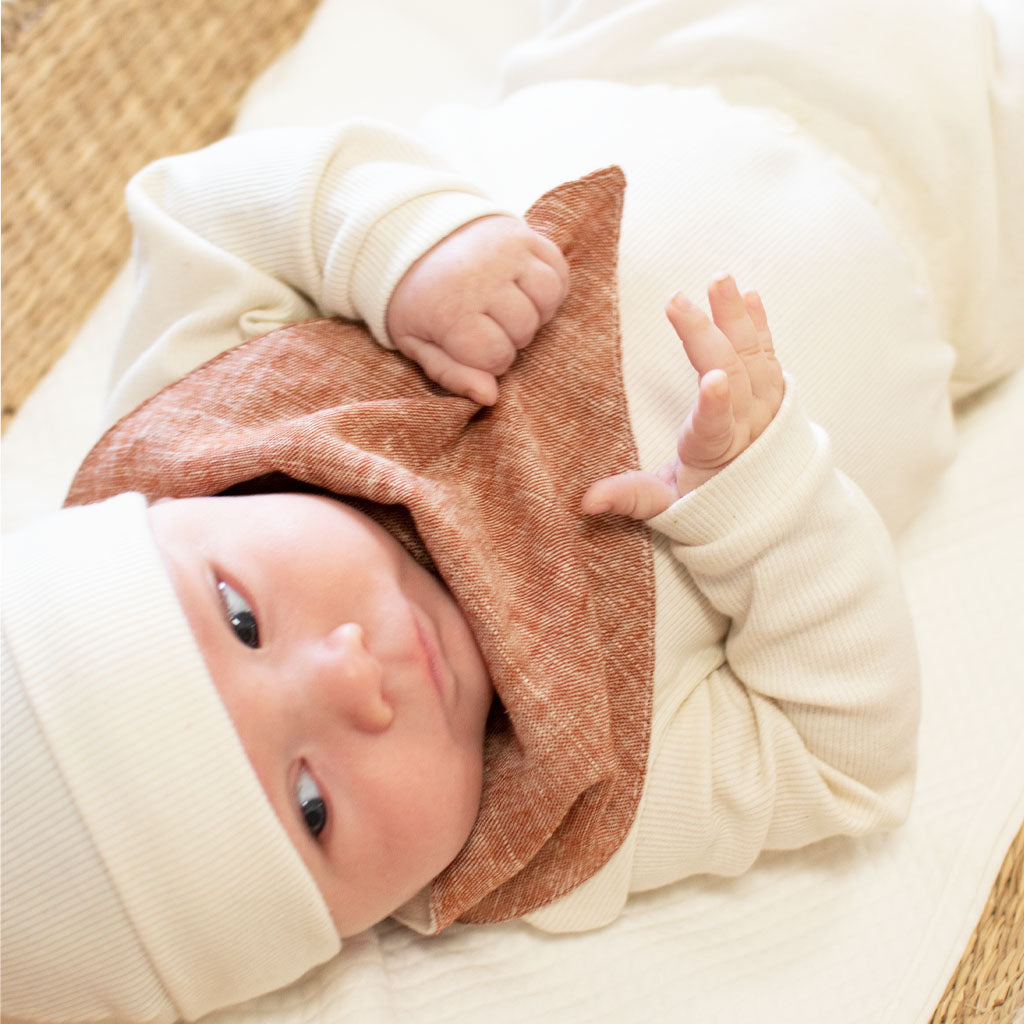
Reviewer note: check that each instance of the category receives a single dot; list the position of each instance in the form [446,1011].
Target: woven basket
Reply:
[95,89]
[988,985]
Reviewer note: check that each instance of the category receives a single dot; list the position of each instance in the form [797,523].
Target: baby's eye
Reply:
[240,615]
[311,803]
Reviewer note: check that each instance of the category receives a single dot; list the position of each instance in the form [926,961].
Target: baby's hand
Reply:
[741,389]
[464,310]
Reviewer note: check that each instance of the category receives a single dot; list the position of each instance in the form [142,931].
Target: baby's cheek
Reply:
[454,803]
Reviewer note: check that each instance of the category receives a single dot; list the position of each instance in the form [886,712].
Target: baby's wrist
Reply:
[764,476]
[395,242]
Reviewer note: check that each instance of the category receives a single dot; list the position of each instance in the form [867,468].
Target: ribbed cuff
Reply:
[391,247]
[755,489]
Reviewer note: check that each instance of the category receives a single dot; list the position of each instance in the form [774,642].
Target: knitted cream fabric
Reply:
[139,851]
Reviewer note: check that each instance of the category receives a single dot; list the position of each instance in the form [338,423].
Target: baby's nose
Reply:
[348,680]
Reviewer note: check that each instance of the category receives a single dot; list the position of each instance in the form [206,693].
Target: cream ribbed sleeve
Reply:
[268,228]
[788,710]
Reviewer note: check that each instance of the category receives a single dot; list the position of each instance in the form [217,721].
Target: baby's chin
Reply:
[413,900]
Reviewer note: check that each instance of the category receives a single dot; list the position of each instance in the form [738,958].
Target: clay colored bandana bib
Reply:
[562,605]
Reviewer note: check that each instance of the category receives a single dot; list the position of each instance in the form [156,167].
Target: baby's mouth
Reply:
[431,654]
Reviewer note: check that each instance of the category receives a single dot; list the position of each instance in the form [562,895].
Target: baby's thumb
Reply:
[634,494]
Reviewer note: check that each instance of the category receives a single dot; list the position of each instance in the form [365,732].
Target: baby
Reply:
[783,699]
[367,702]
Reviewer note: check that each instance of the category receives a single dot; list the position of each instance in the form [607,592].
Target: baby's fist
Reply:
[464,310]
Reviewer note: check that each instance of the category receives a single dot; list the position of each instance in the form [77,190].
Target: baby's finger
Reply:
[759,318]
[544,285]
[479,341]
[708,348]
[634,494]
[456,378]
[706,439]
[515,314]
[769,388]
[730,313]
[549,253]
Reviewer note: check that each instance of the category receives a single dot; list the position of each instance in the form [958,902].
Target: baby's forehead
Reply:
[279,533]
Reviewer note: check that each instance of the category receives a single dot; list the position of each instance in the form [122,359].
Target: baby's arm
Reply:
[804,725]
[267,228]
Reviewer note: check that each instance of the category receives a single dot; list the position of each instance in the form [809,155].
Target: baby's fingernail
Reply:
[596,508]
[476,396]
[724,283]
[680,301]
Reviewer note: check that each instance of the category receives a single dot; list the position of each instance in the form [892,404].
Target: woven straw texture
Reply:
[988,984]
[95,89]
[92,91]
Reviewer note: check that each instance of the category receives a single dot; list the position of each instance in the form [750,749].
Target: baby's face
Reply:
[352,678]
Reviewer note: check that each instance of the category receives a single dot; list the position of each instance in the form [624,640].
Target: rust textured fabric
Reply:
[562,606]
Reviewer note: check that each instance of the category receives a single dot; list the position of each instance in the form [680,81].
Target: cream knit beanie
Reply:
[145,874]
